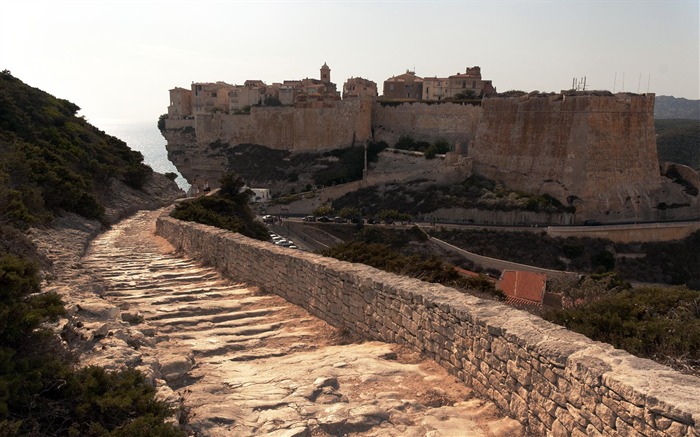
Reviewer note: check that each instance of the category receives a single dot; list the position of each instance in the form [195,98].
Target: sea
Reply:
[145,138]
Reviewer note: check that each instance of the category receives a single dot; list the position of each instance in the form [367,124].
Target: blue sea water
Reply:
[145,138]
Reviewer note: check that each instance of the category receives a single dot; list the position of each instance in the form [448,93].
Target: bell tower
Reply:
[325,73]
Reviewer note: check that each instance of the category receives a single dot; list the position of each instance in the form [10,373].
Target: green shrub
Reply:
[55,159]
[40,393]
[649,322]
[227,209]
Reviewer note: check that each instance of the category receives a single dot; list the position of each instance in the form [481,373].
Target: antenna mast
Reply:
[579,84]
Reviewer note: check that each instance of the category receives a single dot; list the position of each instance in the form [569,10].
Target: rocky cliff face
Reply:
[594,152]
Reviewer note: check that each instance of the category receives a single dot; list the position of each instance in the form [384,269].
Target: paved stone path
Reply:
[246,362]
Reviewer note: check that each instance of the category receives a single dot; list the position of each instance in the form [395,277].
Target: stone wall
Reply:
[628,233]
[554,381]
[453,122]
[287,128]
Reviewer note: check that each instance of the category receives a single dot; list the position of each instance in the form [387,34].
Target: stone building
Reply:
[405,86]
[210,97]
[357,87]
[462,84]
[252,92]
[408,86]
[435,88]
[180,103]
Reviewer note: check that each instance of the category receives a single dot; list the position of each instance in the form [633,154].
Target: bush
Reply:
[53,158]
[40,394]
[227,209]
[650,322]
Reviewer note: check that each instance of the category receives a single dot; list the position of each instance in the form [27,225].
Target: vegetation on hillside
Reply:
[53,159]
[679,141]
[400,252]
[652,322]
[406,142]
[673,262]
[226,209]
[418,197]
[41,393]
[297,171]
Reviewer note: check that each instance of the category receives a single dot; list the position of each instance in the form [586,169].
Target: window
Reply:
[473,84]
[391,87]
[213,94]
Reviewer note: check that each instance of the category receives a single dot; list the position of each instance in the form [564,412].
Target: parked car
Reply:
[309,218]
[356,220]
[268,218]
[324,219]
[340,220]
[372,221]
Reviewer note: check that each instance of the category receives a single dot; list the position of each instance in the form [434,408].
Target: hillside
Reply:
[677,108]
[61,181]
[54,160]
[678,141]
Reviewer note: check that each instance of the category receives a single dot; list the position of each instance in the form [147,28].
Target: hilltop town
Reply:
[592,151]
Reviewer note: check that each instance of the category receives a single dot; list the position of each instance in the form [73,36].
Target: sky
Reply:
[118,59]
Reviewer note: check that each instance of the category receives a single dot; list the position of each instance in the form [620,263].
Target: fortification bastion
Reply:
[595,151]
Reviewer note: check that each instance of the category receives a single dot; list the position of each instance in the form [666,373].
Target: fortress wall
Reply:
[600,149]
[288,128]
[553,380]
[451,121]
[484,217]
[179,123]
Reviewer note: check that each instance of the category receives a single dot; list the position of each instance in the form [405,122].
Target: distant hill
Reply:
[52,160]
[677,108]
[679,141]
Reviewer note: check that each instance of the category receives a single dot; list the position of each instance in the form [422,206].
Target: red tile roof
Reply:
[522,286]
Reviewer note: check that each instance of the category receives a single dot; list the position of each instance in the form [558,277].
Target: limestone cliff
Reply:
[593,151]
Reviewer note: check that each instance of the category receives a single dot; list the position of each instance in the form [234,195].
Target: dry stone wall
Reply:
[554,381]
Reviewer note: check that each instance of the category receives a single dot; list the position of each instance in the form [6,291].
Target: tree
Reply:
[323,210]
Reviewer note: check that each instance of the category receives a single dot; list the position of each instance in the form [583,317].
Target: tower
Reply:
[325,73]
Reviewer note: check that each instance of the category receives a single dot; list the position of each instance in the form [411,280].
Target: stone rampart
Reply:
[289,128]
[453,122]
[554,381]
[596,152]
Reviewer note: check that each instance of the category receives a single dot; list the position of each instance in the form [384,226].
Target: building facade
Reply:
[408,86]
[357,87]
[405,86]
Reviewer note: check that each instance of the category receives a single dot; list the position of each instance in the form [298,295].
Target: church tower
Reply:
[325,73]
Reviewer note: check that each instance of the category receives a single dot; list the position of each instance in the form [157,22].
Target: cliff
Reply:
[596,152]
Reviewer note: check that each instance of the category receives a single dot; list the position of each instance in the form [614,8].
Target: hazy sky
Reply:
[118,59]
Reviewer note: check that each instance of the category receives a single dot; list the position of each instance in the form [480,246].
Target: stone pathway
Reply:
[245,362]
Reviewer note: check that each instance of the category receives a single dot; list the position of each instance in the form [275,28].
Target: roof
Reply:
[523,287]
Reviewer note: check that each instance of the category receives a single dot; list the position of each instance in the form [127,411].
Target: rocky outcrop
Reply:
[595,152]
[197,145]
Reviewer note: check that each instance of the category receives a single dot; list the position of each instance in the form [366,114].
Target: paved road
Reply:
[249,363]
